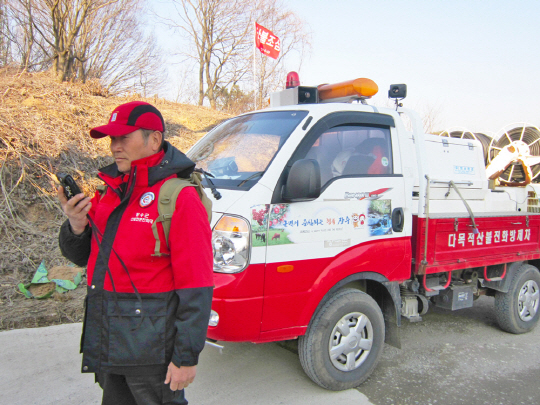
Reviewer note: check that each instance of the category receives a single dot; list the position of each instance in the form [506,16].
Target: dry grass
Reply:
[43,130]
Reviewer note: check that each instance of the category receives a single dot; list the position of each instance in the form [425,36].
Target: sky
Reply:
[474,64]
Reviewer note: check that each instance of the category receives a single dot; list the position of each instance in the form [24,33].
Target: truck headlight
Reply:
[230,243]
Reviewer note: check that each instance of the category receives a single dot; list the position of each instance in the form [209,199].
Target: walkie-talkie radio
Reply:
[71,189]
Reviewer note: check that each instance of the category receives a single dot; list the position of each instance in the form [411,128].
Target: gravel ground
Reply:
[459,357]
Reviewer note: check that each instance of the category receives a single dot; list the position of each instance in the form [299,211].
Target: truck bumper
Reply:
[239,319]
[238,301]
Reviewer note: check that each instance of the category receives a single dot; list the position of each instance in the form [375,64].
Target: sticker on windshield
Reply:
[384,161]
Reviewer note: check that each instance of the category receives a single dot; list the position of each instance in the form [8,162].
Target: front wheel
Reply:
[517,311]
[344,341]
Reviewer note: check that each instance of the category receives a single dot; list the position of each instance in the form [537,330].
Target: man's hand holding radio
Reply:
[75,209]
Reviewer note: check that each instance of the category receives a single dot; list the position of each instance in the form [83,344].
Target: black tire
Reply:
[314,347]
[517,311]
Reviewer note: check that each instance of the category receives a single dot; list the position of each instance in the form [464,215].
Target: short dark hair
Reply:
[146,134]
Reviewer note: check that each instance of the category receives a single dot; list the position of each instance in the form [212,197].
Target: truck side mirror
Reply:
[304,181]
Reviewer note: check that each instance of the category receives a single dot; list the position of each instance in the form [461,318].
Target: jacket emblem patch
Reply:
[147,199]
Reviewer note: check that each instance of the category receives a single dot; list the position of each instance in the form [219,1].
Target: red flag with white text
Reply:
[267,42]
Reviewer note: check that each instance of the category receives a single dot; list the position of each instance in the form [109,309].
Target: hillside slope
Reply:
[44,130]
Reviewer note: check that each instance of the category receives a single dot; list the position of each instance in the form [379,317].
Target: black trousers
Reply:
[138,390]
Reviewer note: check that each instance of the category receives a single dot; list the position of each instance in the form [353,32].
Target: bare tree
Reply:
[4,35]
[26,50]
[221,34]
[431,118]
[112,47]
[218,31]
[295,38]
[86,39]
[58,23]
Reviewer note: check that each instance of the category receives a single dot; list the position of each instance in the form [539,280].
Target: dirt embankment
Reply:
[43,130]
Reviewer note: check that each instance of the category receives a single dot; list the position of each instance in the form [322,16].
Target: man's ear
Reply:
[156,138]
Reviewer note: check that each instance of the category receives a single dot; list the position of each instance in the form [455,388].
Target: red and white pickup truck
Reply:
[337,218]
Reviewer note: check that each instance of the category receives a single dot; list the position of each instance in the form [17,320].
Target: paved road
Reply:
[450,358]
[42,366]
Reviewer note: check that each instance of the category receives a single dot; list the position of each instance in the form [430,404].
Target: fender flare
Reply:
[387,295]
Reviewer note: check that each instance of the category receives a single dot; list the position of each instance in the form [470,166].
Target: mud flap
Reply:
[390,303]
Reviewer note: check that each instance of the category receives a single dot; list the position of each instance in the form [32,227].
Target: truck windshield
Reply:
[238,151]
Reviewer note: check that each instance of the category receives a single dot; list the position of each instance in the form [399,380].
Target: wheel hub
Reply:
[350,341]
[353,342]
[528,300]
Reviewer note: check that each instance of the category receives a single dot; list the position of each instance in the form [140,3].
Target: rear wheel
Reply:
[517,311]
[344,341]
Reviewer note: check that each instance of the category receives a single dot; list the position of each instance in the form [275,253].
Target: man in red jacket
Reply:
[146,314]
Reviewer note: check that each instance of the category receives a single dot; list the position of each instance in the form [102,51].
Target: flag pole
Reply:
[254,67]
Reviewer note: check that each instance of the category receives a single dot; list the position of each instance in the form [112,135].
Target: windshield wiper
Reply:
[254,175]
[215,193]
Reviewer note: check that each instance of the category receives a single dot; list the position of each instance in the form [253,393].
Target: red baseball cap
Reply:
[130,117]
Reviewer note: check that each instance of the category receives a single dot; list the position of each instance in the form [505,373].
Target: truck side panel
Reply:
[291,297]
[453,244]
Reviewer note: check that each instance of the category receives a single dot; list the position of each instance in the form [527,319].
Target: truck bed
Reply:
[452,244]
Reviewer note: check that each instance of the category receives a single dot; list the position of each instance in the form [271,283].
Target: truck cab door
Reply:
[360,222]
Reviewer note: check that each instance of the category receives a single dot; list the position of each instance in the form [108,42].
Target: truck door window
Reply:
[352,151]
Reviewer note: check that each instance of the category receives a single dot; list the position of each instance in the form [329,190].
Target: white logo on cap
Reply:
[113,118]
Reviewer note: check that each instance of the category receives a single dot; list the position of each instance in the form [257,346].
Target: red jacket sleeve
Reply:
[190,241]
[192,264]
